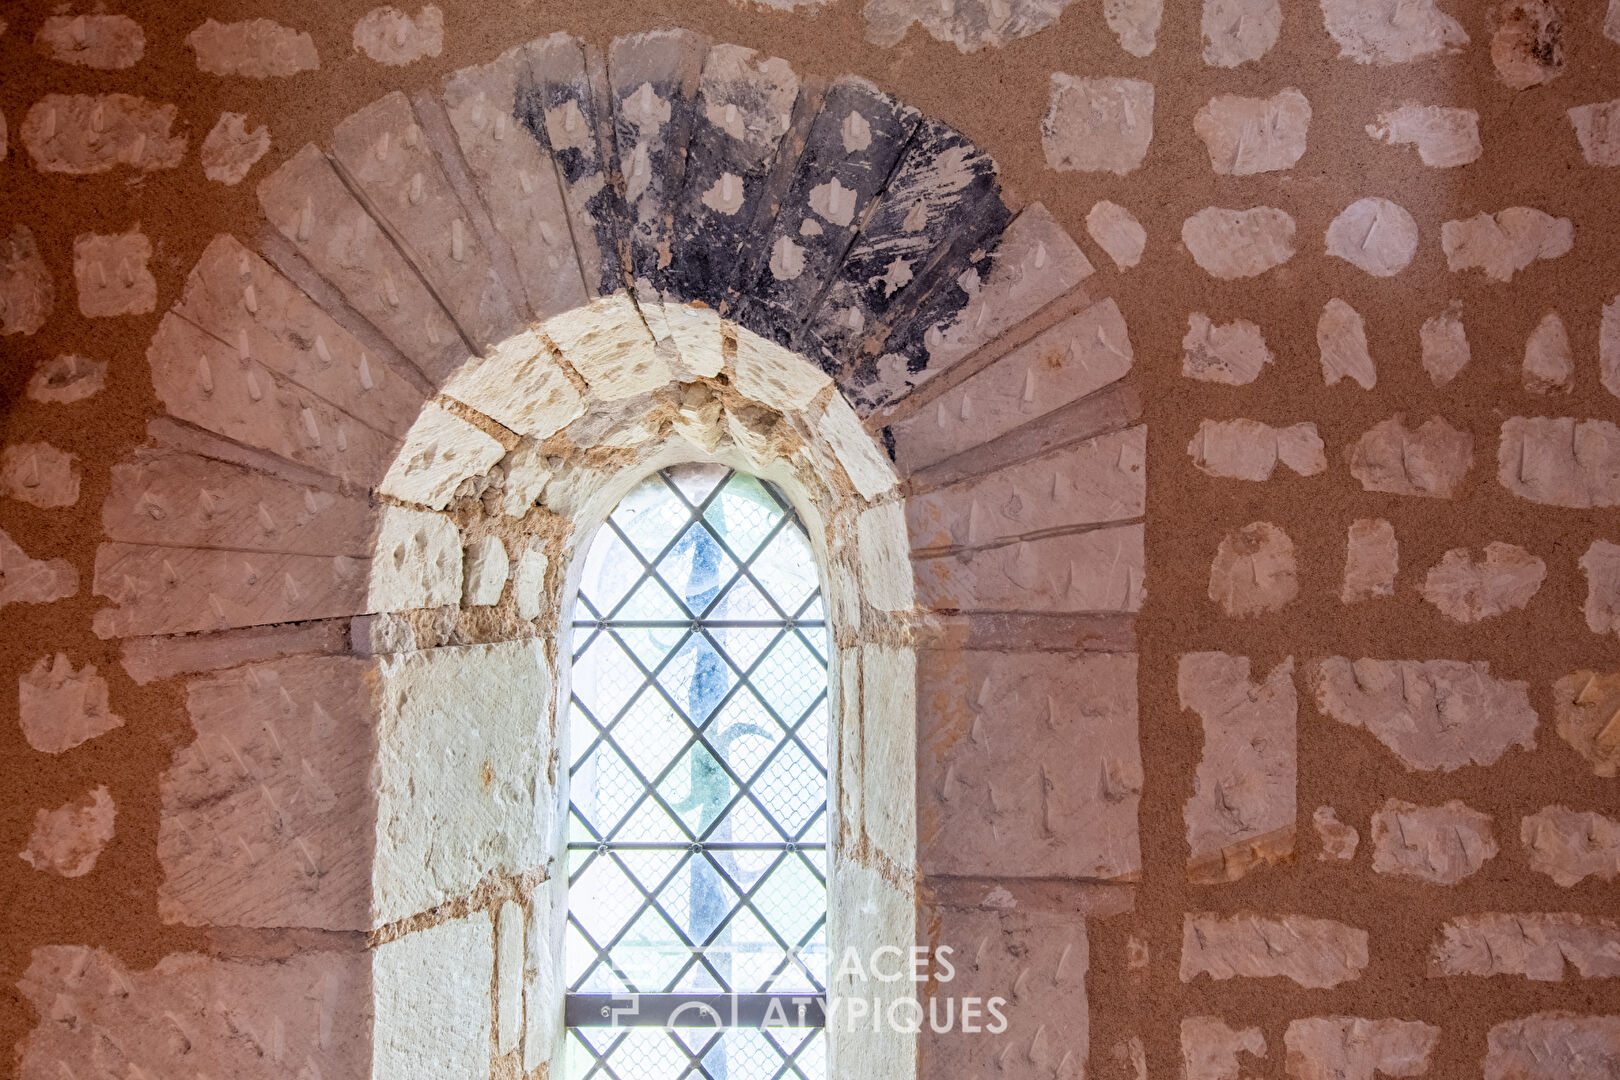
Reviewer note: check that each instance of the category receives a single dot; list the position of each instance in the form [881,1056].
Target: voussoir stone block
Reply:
[440,452]
[432,1002]
[1029,765]
[520,384]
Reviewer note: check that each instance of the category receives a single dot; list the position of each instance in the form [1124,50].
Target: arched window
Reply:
[697,832]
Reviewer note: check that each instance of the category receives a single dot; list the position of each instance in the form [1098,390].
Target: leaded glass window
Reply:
[696,942]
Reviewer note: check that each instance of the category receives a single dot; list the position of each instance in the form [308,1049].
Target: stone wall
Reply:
[334,337]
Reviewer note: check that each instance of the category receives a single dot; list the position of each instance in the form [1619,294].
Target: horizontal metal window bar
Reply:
[682,624]
[698,845]
[806,1010]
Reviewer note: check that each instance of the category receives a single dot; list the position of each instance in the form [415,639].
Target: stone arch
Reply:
[473,321]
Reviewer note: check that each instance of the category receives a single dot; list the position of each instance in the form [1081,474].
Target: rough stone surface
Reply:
[1231,244]
[610,346]
[416,562]
[1445,345]
[509,978]
[1339,841]
[1601,564]
[1250,450]
[27,293]
[1432,461]
[432,1002]
[1570,846]
[26,580]
[1233,353]
[1239,31]
[1506,242]
[1611,22]
[1597,129]
[1587,704]
[1315,953]
[230,151]
[68,840]
[40,474]
[487,568]
[1556,1046]
[82,134]
[1247,135]
[1241,812]
[1135,23]
[440,452]
[112,276]
[528,583]
[1540,947]
[148,660]
[1341,341]
[253,49]
[1444,137]
[522,386]
[1467,590]
[393,37]
[1116,230]
[1097,125]
[1434,714]
[59,708]
[1372,556]
[541,983]
[1527,48]
[970,25]
[1609,347]
[1031,765]
[107,42]
[1254,571]
[1353,1048]
[1560,461]
[1548,363]
[1097,570]
[1392,31]
[1437,844]
[1376,235]
[1210,1048]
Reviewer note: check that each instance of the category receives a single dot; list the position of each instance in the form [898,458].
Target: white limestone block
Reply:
[27,293]
[26,580]
[542,992]
[529,582]
[1117,232]
[1210,1048]
[1371,559]
[607,342]
[431,994]
[393,37]
[1250,450]
[1353,1048]
[68,840]
[149,660]
[1231,244]
[1560,461]
[1341,341]
[111,274]
[1241,811]
[459,754]
[521,385]
[527,469]
[885,572]
[59,708]
[1597,129]
[1233,353]
[1135,23]
[888,748]
[509,953]
[1445,137]
[1570,846]
[1538,946]
[1248,135]
[105,42]
[1432,461]
[866,465]
[1440,845]
[1586,703]
[39,474]
[1601,565]
[1376,235]
[1609,347]
[416,562]
[1527,48]
[1097,124]
[1468,590]
[1506,242]
[81,134]
[1253,572]
[1434,714]
[773,376]
[970,25]
[1339,841]
[487,568]
[1556,1045]
[1548,363]
[1387,32]
[440,452]
[231,150]
[1314,953]
[1239,31]
[253,49]
[1097,570]
[1445,344]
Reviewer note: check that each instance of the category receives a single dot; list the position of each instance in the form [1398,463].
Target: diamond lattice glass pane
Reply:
[787,569]
[791,899]
[743,515]
[696,481]
[609,572]
[790,678]
[607,790]
[650,518]
[743,602]
[697,788]
[745,823]
[698,678]
[651,602]
[696,569]
[650,733]
[791,787]
[745,733]
[746,644]
[598,676]
[602,899]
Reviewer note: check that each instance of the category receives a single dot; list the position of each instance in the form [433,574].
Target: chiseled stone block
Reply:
[1438,844]
[1345,1047]
[1028,765]
[608,343]
[417,561]
[888,740]
[521,385]
[509,954]
[432,1002]
[440,452]
[1560,461]
[1554,1046]
[112,275]
[1315,953]
[1538,946]
[1097,570]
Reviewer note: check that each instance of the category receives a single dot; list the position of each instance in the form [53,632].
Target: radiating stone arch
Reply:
[478,314]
